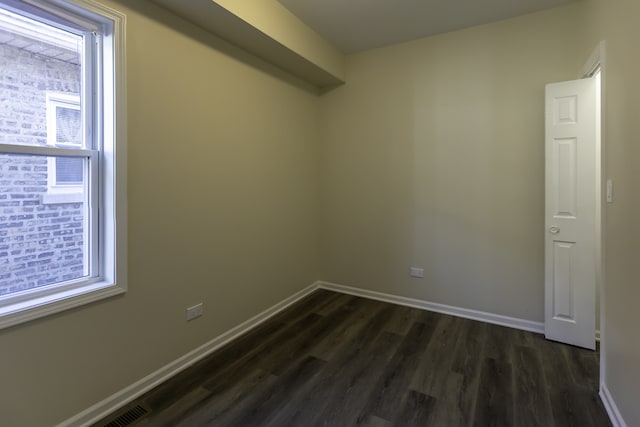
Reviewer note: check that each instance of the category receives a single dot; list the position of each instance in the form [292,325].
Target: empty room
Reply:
[335,213]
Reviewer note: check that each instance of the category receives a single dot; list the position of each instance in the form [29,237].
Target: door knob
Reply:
[554,230]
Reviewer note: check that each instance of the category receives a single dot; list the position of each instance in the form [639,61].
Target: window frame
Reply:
[104,121]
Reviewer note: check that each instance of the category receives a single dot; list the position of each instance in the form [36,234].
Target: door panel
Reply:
[570,218]
[564,177]
[563,283]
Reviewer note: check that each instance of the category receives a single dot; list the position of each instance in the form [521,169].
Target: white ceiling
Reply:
[356,25]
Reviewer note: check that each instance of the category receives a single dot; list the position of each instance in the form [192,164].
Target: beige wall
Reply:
[223,185]
[430,156]
[616,22]
[433,157]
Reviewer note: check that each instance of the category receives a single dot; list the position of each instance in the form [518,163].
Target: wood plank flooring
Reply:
[339,360]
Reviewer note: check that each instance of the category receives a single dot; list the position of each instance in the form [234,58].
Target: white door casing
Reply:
[570,212]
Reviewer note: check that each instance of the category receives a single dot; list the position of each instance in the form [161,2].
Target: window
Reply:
[62,154]
[64,130]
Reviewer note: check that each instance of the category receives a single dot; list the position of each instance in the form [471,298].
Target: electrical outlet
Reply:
[195,311]
[416,272]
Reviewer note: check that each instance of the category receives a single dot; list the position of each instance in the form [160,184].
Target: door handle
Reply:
[554,230]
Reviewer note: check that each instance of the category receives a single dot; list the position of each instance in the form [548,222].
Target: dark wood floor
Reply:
[339,360]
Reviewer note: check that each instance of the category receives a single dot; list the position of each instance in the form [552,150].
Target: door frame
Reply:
[595,62]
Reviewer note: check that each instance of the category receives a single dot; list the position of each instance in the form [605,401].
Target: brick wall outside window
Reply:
[40,243]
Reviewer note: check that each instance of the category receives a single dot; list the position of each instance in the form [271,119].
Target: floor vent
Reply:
[129,417]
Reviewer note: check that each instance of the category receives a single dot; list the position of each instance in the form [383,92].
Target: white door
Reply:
[570,212]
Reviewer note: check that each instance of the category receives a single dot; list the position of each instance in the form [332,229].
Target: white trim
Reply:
[594,62]
[37,31]
[121,398]
[597,60]
[611,407]
[20,312]
[46,150]
[102,409]
[602,59]
[483,316]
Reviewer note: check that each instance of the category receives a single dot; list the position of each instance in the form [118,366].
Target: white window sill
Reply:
[58,198]
[24,311]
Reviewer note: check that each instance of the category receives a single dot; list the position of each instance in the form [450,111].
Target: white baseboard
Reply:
[116,401]
[527,325]
[496,319]
[611,407]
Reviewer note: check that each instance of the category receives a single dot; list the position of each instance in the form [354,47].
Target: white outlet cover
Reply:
[195,311]
[416,272]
